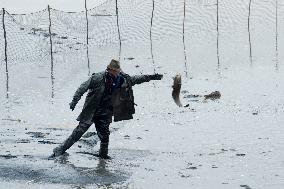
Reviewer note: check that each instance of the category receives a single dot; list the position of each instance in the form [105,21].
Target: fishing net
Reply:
[162,35]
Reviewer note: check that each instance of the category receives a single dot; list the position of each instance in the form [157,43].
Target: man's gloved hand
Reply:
[156,76]
[72,105]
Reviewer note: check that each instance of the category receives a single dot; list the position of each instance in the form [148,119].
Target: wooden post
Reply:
[276,33]
[51,53]
[5,52]
[250,51]
[276,26]
[183,38]
[151,42]
[218,59]
[87,21]
[118,30]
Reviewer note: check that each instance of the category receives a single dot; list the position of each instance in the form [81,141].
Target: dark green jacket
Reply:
[122,99]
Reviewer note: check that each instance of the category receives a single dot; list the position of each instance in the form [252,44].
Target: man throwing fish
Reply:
[109,94]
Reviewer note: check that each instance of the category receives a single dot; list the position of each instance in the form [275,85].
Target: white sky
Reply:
[28,6]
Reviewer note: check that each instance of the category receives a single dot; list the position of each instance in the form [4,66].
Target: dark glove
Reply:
[72,105]
[156,76]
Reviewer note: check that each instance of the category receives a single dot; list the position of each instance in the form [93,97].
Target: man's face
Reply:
[113,72]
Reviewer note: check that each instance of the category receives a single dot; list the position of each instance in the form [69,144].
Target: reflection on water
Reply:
[52,84]
[100,175]
[52,77]
[62,171]
[74,170]
[7,84]
[276,62]
[88,59]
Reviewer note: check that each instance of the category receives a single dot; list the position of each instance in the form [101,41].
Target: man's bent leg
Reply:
[74,137]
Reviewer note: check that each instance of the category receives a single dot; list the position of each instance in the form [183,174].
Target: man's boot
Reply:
[74,137]
[103,152]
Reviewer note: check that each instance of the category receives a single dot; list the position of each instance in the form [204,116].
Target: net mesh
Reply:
[28,35]
[148,31]
[24,37]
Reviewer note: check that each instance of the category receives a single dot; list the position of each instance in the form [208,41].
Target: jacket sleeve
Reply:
[138,79]
[81,90]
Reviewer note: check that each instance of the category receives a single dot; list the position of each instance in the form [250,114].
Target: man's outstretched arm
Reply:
[138,79]
[79,93]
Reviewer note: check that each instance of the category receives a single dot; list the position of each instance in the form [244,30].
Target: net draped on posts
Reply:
[115,24]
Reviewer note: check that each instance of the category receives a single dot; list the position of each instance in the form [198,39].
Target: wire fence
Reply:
[53,36]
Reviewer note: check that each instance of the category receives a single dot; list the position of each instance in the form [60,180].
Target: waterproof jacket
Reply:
[122,98]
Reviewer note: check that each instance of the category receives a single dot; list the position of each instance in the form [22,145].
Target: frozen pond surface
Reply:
[232,142]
